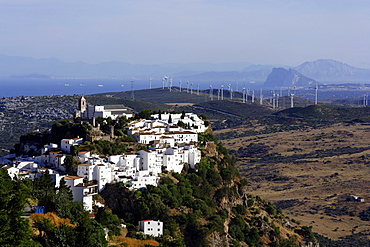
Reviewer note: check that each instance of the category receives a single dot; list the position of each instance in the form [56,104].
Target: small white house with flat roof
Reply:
[151,227]
[66,144]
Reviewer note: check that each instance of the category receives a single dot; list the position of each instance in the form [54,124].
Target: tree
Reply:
[69,163]
[170,119]
[108,220]
[145,113]
[14,230]
[64,200]
[45,192]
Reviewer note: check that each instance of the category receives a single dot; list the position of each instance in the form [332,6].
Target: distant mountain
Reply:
[324,70]
[331,71]
[257,75]
[280,77]
[20,66]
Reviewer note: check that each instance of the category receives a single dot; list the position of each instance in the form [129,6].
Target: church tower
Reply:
[82,104]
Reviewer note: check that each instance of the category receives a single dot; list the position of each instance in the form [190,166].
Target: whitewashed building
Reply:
[66,144]
[82,192]
[151,227]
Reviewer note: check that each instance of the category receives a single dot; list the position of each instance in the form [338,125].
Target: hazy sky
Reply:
[286,32]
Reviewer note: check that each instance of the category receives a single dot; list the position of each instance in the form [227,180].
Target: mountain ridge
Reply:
[322,70]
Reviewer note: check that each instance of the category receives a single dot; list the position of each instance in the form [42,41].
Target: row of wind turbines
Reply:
[167,82]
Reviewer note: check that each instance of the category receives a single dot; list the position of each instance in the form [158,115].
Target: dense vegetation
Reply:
[65,223]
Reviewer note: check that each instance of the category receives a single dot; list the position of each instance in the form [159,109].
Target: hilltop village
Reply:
[170,147]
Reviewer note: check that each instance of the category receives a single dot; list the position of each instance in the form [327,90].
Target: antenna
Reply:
[261,96]
[132,90]
[316,93]
[180,82]
[210,92]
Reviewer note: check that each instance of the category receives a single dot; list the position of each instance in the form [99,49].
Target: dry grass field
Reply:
[310,173]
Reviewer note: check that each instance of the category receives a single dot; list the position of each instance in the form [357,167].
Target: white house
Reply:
[151,227]
[12,171]
[151,160]
[81,191]
[142,179]
[66,144]
[49,147]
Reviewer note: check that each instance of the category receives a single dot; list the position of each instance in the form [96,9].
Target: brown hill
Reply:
[311,173]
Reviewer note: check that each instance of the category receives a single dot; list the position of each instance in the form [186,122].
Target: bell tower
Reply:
[82,104]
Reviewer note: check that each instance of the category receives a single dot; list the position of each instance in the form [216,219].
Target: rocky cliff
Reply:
[280,77]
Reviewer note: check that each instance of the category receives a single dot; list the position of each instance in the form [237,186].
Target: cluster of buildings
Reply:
[165,129]
[172,144]
[171,148]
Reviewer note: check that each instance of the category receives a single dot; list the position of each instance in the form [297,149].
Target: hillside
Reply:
[210,206]
[309,162]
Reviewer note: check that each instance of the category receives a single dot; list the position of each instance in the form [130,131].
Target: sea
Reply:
[48,87]
[10,87]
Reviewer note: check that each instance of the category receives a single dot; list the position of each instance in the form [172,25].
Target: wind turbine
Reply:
[163,83]
[132,90]
[218,94]
[187,87]
[253,96]
[180,82]
[210,92]
[222,92]
[261,96]
[170,84]
[231,95]
[243,94]
[150,83]
[292,100]
[191,88]
[166,79]
[316,93]
[198,89]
